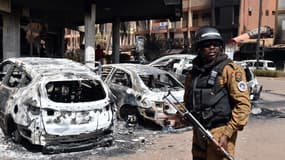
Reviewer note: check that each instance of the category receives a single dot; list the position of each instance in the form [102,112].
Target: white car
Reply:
[55,103]
[177,64]
[140,90]
[180,64]
[262,64]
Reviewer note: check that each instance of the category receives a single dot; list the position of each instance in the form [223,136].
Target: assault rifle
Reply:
[196,123]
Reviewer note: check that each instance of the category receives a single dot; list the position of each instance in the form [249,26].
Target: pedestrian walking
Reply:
[216,94]
[99,54]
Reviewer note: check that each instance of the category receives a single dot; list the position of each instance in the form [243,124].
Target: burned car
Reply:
[55,103]
[180,64]
[177,64]
[140,89]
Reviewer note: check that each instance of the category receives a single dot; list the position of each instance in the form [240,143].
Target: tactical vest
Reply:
[208,101]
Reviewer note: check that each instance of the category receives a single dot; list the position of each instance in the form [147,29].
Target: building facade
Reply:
[249,12]
[196,13]
[231,17]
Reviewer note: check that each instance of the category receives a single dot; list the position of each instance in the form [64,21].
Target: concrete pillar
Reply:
[11,36]
[62,44]
[169,26]
[116,41]
[190,22]
[150,26]
[89,54]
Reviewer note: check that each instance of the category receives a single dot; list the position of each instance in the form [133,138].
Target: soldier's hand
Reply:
[223,142]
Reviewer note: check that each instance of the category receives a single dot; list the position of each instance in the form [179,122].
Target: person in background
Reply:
[99,54]
[216,94]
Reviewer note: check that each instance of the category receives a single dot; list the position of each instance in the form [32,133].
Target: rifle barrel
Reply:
[196,123]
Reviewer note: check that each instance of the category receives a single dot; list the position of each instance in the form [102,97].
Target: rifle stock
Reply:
[196,123]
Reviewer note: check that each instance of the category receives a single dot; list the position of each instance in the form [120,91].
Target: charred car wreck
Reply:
[55,103]
[139,90]
[177,64]
[180,64]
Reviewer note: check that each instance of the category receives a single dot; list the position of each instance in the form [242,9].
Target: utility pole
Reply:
[258,32]
[213,19]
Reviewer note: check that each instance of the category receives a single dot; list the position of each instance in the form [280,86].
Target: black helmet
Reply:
[206,33]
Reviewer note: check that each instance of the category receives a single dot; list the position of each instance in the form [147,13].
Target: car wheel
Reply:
[125,111]
[129,114]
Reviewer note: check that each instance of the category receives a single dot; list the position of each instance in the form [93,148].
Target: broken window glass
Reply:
[105,71]
[15,78]
[161,82]
[121,78]
[75,91]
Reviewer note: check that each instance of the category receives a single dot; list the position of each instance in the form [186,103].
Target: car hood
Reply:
[160,96]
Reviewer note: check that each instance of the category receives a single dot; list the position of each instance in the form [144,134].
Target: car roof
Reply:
[49,65]
[137,68]
[178,56]
[191,56]
[260,60]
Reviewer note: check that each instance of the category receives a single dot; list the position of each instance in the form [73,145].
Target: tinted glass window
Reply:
[121,78]
[167,64]
[260,64]
[270,64]
[105,72]
[250,64]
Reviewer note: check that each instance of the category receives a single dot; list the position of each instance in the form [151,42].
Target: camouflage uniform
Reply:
[232,75]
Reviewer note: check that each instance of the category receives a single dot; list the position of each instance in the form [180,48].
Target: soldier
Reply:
[216,94]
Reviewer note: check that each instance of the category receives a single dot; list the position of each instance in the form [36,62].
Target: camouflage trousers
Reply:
[204,150]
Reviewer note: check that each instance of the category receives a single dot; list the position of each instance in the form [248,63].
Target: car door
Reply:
[120,84]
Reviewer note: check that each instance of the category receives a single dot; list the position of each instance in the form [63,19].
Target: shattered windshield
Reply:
[160,82]
[75,91]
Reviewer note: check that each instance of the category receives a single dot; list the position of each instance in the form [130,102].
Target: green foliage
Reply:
[268,73]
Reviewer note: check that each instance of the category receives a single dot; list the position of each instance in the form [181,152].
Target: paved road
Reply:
[273,94]
[262,139]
